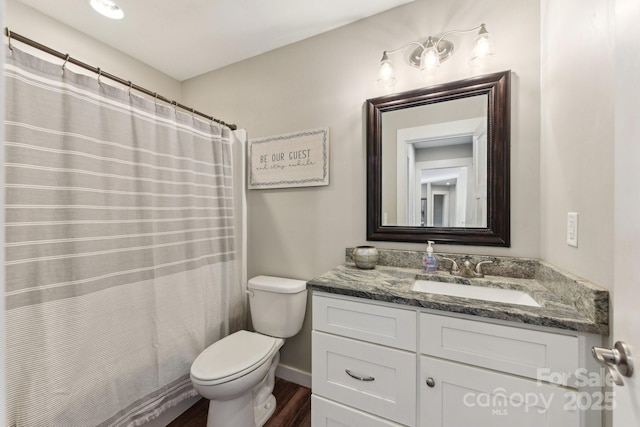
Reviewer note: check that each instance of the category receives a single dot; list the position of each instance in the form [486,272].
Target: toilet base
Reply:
[251,409]
[263,412]
[234,413]
[231,413]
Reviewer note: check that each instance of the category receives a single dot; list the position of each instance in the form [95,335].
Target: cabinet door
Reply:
[465,396]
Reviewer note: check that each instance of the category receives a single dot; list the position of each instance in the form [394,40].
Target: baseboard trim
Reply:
[294,375]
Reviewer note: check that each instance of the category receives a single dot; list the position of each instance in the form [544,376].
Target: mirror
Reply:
[438,163]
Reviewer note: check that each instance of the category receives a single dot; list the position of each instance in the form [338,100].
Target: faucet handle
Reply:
[454,264]
[478,270]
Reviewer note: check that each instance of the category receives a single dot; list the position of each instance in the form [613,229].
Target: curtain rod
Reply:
[11,35]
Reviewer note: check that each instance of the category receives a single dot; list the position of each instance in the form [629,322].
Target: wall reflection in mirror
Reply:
[434,164]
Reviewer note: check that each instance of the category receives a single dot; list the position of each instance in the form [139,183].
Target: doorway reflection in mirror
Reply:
[435,164]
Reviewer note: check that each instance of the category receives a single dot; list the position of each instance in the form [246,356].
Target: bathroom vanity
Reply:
[385,354]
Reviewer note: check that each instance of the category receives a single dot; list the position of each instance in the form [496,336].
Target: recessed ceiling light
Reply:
[107,8]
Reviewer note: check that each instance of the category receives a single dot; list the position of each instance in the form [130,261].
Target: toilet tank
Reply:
[277,305]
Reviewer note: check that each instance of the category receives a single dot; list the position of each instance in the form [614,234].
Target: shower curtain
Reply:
[123,257]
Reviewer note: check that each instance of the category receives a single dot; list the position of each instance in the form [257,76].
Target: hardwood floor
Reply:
[293,408]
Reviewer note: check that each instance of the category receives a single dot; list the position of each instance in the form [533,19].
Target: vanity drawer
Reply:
[325,413]
[524,352]
[390,385]
[365,321]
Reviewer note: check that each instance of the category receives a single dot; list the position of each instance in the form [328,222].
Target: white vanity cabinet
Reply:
[381,364]
[482,374]
[364,364]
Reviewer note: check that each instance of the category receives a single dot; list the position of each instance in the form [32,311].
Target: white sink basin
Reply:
[508,296]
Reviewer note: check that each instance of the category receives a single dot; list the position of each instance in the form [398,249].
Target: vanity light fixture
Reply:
[428,55]
[107,8]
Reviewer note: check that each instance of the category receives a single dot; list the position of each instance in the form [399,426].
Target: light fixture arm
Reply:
[402,48]
[428,55]
[458,31]
[416,43]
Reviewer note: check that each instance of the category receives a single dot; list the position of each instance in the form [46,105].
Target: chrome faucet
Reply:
[455,270]
[478,271]
[467,269]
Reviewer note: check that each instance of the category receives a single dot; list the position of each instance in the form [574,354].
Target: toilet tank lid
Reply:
[277,284]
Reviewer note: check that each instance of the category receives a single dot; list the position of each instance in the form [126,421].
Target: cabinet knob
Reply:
[431,382]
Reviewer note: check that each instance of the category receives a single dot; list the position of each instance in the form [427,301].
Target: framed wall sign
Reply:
[299,159]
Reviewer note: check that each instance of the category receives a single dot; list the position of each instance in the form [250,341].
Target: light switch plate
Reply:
[572,229]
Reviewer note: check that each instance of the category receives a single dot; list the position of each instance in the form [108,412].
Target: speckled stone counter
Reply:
[566,302]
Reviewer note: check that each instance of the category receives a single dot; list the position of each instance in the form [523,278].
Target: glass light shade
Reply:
[386,74]
[107,8]
[483,45]
[430,59]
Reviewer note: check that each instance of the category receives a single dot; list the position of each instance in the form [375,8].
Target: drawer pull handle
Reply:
[358,377]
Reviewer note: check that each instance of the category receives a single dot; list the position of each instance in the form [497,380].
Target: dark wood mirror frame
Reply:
[497,232]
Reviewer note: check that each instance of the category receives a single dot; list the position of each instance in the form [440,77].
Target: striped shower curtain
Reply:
[122,257]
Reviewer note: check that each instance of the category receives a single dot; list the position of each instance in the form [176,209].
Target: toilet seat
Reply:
[232,357]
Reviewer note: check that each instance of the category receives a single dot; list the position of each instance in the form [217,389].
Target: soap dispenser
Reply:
[429,262]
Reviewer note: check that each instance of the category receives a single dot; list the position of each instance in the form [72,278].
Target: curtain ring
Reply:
[64,64]
[130,87]
[9,42]
[99,75]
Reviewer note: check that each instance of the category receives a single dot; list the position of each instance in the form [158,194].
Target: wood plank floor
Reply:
[293,408]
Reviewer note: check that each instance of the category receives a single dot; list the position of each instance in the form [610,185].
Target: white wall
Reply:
[577,135]
[34,25]
[324,81]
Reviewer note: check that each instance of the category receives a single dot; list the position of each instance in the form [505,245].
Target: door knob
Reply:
[617,360]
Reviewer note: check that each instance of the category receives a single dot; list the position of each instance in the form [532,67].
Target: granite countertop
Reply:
[578,306]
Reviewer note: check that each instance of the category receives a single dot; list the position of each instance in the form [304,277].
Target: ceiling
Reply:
[186,38]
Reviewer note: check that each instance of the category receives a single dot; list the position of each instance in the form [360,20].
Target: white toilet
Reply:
[237,373]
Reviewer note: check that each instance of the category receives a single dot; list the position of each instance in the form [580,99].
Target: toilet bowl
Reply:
[233,374]
[237,373]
